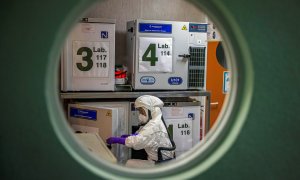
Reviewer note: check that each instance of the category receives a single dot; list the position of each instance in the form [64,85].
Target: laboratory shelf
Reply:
[133,94]
[121,95]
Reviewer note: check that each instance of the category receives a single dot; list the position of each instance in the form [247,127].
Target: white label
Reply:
[182,133]
[173,112]
[155,54]
[90,59]
[226,82]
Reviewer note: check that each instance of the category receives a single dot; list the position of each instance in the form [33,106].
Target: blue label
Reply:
[175,80]
[191,115]
[83,113]
[198,27]
[155,28]
[104,34]
[147,80]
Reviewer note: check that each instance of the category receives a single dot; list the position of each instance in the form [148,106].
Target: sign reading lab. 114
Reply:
[155,54]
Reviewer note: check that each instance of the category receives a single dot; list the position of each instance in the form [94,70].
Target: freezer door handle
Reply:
[214,105]
[184,55]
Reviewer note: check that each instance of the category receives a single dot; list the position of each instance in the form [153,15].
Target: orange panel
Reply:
[214,82]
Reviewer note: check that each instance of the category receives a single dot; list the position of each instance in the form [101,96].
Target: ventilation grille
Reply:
[197,68]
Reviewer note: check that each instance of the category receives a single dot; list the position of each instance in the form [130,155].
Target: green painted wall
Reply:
[267,147]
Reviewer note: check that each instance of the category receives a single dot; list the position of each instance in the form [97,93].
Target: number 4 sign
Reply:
[155,54]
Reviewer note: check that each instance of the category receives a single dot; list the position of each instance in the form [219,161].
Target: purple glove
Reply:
[126,135]
[114,140]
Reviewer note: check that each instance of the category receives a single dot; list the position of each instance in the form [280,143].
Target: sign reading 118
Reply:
[87,58]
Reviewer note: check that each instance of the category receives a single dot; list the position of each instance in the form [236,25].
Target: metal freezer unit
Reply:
[105,118]
[186,124]
[166,55]
[185,121]
[88,56]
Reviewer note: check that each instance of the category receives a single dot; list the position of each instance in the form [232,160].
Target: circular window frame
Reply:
[219,139]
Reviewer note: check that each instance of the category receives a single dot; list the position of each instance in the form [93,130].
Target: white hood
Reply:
[151,103]
[154,133]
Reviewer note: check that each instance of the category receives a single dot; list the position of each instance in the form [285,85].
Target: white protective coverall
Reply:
[152,135]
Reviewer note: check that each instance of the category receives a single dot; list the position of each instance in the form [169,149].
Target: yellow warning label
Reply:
[184,28]
[108,113]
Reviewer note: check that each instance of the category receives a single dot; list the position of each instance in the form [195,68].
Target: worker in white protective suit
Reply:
[151,135]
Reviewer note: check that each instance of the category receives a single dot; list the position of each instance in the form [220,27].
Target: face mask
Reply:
[143,119]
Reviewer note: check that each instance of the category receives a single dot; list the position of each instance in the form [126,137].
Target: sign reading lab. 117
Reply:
[90,59]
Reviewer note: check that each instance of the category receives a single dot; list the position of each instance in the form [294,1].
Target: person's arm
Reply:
[127,135]
[137,142]
[115,140]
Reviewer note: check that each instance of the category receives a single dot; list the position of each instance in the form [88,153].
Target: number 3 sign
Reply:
[155,54]
[90,59]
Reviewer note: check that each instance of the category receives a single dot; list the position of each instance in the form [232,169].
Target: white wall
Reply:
[126,10]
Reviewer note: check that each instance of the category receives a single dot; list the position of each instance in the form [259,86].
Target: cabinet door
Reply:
[216,66]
